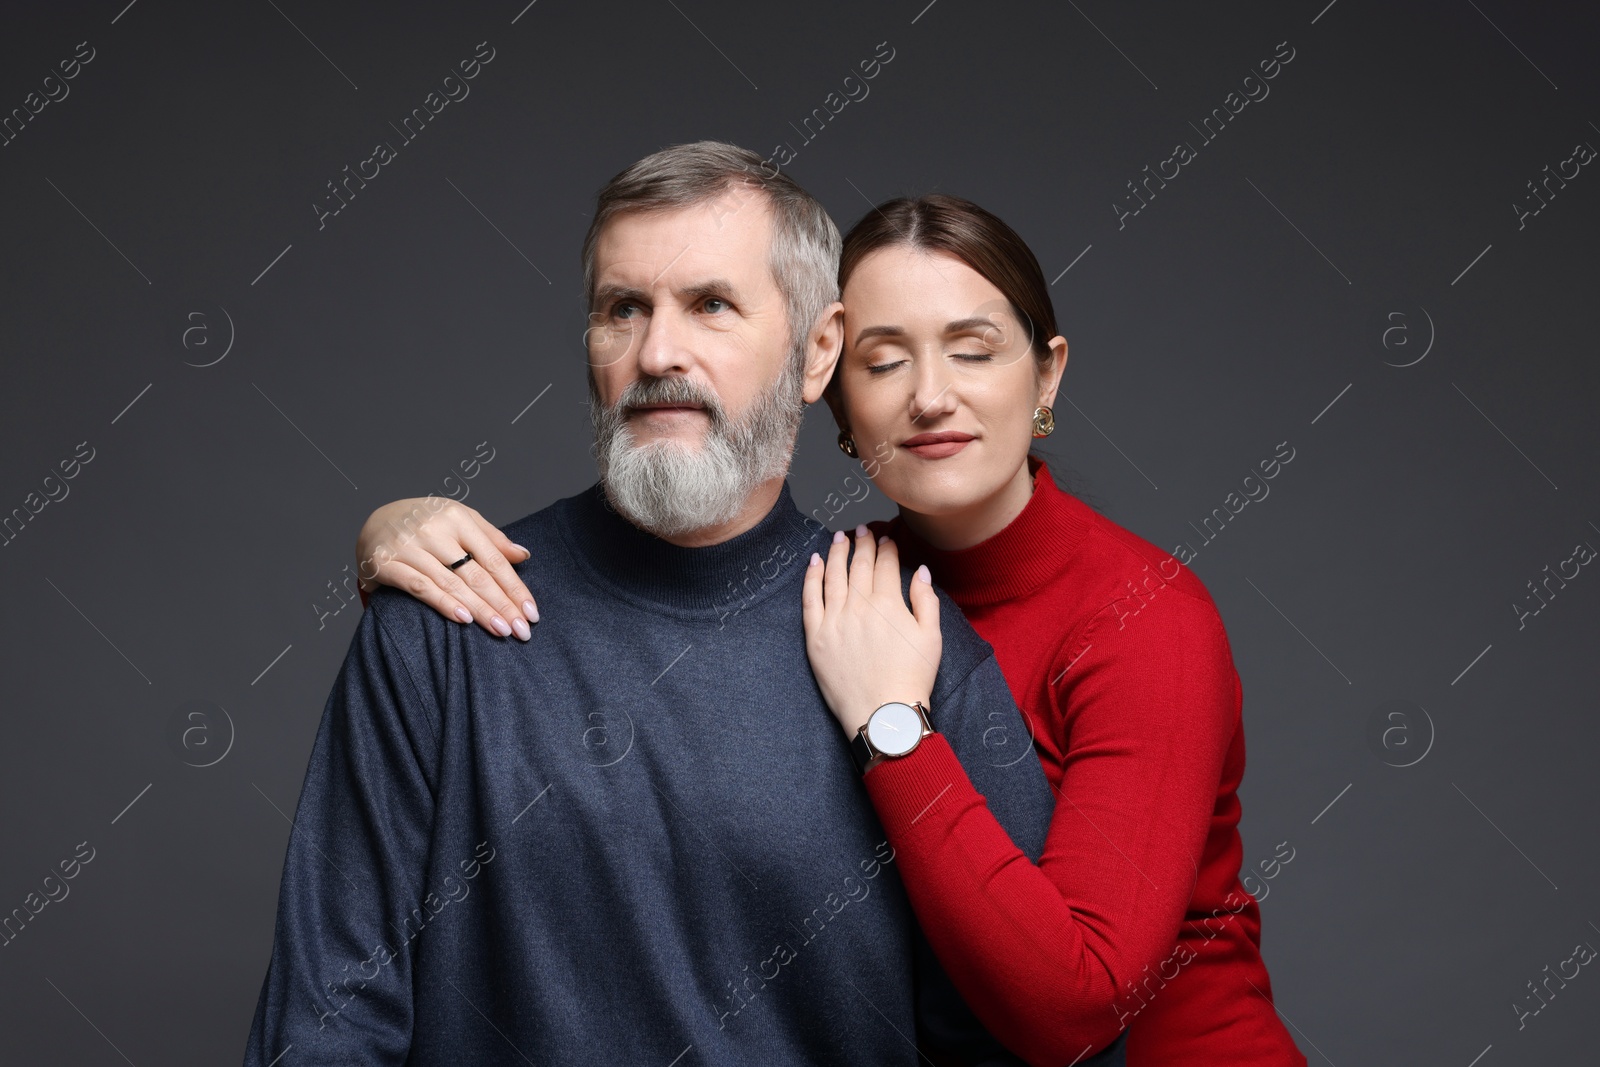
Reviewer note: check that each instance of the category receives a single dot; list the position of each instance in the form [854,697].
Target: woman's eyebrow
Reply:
[966,325]
[880,331]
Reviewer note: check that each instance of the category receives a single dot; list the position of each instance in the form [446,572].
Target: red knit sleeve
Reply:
[1046,955]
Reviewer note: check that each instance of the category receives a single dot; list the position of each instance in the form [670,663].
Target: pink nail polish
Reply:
[500,626]
[463,614]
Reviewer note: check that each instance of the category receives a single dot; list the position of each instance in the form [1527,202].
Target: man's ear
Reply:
[1050,377]
[823,350]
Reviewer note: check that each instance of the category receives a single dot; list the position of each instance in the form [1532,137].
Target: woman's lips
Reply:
[938,449]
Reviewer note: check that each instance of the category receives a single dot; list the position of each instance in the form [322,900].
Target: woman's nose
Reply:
[933,394]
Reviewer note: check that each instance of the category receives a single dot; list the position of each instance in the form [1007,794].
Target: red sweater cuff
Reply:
[911,790]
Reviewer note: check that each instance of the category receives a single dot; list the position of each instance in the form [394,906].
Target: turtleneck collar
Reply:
[1033,548]
[704,582]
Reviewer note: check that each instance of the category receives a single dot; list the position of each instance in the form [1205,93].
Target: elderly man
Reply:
[639,837]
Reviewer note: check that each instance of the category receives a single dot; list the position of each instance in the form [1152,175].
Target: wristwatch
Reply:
[892,731]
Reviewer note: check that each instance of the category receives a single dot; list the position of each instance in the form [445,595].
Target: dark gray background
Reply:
[1245,306]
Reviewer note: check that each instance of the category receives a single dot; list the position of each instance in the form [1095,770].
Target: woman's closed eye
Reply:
[972,357]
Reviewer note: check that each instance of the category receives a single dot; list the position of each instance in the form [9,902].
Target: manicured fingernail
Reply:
[463,614]
[923,575]
[500,626]
[861,530]
[523,547]
[521,627]
[531,610]
[882,539]
[838,536]
[815,559]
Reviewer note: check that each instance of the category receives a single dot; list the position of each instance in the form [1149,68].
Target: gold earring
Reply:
[847,444]
[1044,421]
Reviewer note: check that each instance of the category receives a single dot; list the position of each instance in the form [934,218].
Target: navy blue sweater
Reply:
[637,838]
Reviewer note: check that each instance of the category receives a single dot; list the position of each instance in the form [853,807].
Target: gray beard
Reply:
[669,489]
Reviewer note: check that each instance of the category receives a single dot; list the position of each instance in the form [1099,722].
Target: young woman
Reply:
[1135,917]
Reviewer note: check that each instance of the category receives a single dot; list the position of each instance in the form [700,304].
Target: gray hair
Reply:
[805,245]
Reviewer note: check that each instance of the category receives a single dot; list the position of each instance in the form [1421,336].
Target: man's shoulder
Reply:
[961,647]
[397,623]
[417,631]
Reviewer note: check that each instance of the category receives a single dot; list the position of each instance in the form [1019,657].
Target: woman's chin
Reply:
[935,496]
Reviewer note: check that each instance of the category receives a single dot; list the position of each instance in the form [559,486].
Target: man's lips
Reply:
[937,445]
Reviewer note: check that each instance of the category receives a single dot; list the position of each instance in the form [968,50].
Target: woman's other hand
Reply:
[410,545]
[866,648]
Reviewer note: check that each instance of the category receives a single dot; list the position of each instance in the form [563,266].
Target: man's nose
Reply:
[664,348]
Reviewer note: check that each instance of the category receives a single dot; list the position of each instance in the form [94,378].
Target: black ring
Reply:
[464,559]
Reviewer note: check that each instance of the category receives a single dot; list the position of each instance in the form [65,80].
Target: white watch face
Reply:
[894,729]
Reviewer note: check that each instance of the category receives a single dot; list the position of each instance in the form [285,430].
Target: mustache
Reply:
[669,391]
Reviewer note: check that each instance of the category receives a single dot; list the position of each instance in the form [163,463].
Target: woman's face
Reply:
[934,350]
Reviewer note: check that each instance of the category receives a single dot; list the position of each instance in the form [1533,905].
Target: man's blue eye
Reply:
[622,311]
[715,306]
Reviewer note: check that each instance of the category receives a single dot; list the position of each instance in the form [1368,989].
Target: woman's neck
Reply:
[979,521]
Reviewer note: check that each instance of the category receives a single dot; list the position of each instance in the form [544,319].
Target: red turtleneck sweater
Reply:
[1135,915]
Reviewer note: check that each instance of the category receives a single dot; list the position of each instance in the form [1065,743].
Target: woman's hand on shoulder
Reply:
[866,647]
[409,544]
